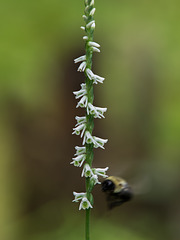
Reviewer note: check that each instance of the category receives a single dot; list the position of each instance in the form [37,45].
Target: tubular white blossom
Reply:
[87,172]
[88,138]
[78,161]
[78,129]
[87,8]
[80,150]
[80,59]
[93,44]
[82,67]
[90,24]
[92,3]
[91,109]
[83,28]
[85,38]
[84,17]
[96,111]
[89,73]
[78,196]
[80,93]
[101,111]
[85,204]
[83,102]
[93,76]
[80,120]
[94,179]
[96,49]
[83,85]
[99,142]
[100,171]
[98,79]
[93,26]
[92,12]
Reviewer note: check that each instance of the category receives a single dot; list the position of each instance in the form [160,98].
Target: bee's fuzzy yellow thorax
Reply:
[119,183]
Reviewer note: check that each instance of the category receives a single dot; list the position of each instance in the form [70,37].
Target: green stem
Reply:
[87,223]
[90,118]
[87,226]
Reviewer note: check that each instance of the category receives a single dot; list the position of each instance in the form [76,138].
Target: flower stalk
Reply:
[84,155]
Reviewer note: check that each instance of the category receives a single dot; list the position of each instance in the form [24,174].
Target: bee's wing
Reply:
[114,200]
[142,185]
[117,203]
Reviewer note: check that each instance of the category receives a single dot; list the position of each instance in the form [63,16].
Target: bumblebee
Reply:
[117,191]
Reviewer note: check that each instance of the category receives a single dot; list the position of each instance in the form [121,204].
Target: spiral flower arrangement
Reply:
[85,124]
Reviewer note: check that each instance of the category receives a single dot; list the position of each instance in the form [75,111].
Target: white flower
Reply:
[93,44]
[90,74]
[90,24]
[82,67]
[93,26]
[85,204]
[80,59]
[83,28]
[80,93]
[91,109]
[80,120]
[98,79]
[85,18]
[87,9]
[78,161]
[101,111]
[80,150]
[87,172]
[96,111]
[99,142]
[88,138]
[85,38]
[92,3]
[79,128]
[78,196]
[83,85]
[100,171]
[96,49]
[94,179]
[83,102]
[94,77]
[92,12]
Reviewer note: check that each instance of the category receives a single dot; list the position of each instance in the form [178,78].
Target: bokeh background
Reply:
[140,56]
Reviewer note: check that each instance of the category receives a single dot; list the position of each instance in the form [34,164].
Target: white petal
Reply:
[80,93]
[80,150]
[85,38]
[80,120]
[92,2]
[82,67]
[90,24]
[83,102]
[96,49]
[89,73]
[93,26]
[80,59]
[93,44]
[92,12]
[85,18]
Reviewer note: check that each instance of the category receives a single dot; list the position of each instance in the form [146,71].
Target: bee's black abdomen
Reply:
[126,194]
[108,185]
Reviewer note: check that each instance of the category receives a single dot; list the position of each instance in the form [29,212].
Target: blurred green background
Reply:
[140,55]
